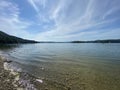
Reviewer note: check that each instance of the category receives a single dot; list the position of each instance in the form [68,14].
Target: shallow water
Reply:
[69,66]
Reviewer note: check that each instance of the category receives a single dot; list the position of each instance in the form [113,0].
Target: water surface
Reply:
[69,66]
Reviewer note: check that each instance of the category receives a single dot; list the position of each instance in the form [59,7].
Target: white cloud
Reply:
[34,5]
[111,11]
[75,16]
[61,19]
[10,22]
[37,3]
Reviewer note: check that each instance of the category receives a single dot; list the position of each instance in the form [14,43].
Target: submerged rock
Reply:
[8,61]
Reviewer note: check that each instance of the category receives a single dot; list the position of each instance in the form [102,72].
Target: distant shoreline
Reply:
[8,39]
[95,41]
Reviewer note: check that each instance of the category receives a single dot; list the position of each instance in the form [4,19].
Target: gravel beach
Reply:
[6,79]
[13,80]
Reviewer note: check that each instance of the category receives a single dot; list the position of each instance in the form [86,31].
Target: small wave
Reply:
[22,80]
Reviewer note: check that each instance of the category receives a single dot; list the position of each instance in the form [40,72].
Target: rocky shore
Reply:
[6,78]
[11,79]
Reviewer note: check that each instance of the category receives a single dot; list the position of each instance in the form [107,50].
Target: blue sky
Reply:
[61,20]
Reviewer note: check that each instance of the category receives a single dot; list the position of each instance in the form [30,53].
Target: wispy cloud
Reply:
[61,19]
[10,22]
[79,16]
[37,3]
[34,5]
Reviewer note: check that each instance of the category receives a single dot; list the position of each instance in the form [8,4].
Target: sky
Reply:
[61,20]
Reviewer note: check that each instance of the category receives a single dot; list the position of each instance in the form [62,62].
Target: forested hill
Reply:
[8,39]
[99,41]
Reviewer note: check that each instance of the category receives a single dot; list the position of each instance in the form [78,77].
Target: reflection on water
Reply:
[70,66]
[5,47]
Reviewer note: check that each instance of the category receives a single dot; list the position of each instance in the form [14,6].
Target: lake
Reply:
[75,66]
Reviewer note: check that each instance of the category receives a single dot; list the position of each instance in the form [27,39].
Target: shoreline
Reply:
[12,78]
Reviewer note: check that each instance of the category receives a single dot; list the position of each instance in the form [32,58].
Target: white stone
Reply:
[39,80]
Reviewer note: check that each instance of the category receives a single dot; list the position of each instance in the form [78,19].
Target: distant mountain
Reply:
[8,39]
[99,41]
[95,41]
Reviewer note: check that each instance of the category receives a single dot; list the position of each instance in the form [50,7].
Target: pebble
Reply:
[39,80]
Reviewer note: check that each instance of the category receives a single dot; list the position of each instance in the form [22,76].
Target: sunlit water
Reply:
[67,66]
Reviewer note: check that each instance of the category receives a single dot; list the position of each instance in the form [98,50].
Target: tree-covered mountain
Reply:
[8,39]
[99,41]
